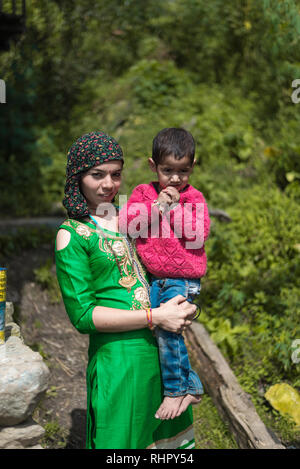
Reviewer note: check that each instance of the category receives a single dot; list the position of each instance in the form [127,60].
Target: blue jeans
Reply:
[177,376]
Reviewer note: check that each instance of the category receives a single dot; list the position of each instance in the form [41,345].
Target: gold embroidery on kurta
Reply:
[80,228]
[141,296]
[83,230]
[121,250]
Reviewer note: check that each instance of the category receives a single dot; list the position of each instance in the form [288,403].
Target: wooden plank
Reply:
[234,405]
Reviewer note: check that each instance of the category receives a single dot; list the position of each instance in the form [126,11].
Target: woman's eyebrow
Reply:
[105,172]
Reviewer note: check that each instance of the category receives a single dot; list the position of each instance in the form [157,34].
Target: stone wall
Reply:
[23,382]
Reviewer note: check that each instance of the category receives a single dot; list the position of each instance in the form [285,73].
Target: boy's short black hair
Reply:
[173,141]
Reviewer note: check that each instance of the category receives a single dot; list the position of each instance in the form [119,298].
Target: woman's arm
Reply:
[172,316]
[73,272]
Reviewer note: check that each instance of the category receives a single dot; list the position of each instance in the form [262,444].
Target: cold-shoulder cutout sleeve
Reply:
[62,239]
[75,280]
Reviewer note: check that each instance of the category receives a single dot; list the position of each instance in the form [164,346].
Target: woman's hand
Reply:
[175,315]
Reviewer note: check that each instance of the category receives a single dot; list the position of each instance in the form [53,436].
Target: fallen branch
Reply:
[220,214]
[52,343]
[65,368]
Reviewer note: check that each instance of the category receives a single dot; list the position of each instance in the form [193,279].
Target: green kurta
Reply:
[124,387]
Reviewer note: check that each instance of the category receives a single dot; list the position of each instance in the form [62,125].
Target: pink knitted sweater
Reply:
[170,245]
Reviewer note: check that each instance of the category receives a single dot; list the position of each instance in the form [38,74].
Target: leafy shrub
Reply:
[253,272]
[53,166]
[155,83]
[24,238]
[223,334]
[48,280]
[283,152]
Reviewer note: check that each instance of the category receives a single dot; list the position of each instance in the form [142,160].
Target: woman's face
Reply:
[101,183]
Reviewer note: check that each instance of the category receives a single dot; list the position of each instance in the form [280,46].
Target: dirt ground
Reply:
[46,328]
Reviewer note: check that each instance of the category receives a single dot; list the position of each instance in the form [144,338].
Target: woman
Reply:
[105,292]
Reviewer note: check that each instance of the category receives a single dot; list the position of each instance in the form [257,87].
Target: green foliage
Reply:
[24,239]
[283,154]
[223,334]
[252,44]
[59,79]
[154,84]
[253,272]
[48,280]
[39,347]
[53,171]
[55,435]
[17,134]
[211,432]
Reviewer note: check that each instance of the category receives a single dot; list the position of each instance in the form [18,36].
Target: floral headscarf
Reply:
[89,150]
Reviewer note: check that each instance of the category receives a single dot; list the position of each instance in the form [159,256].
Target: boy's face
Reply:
[173,172]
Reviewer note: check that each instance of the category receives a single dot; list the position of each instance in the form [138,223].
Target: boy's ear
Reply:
[194,162]
[152,165]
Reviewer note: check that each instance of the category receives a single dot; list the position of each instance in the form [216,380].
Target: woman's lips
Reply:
[106,195]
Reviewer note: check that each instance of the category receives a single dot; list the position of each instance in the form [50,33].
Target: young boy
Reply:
[169,219]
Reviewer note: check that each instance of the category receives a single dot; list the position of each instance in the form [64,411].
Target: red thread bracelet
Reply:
[149,318]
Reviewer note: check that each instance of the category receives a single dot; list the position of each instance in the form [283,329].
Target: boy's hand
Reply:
[168,196]
[173,194]
[164,198]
